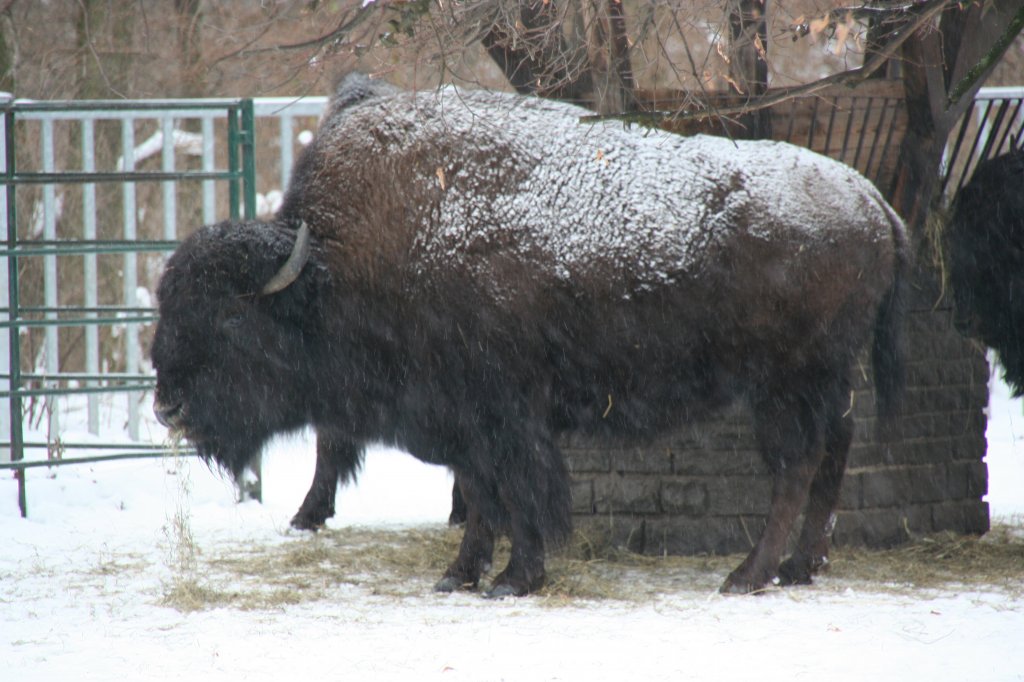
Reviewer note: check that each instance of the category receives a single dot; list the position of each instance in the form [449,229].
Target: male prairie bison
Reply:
[468,275]
[986,259]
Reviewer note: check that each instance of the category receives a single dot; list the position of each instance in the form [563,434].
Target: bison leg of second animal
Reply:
[812,548]
[337,460]
[476,551]
[457,517]
[791,440]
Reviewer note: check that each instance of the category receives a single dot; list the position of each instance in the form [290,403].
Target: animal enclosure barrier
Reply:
[94,191]
[993,126]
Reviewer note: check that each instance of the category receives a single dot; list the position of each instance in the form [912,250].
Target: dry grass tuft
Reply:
[404,563]
[938,561]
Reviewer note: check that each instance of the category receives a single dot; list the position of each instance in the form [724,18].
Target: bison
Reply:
[470,275]
[985,243]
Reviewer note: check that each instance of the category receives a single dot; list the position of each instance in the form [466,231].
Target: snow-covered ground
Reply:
[82,581]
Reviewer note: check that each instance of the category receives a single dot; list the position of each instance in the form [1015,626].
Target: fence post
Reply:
[209,191]
[248,142]
[251,488]
[90,270]
[5,302]
[17,432]
[50,299]
[131,332]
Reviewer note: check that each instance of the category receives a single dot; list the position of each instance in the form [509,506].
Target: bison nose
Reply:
[168,415]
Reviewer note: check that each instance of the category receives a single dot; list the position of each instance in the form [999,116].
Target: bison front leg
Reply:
[791,440]
[337,460]
[525,570]
[476,551]
[535,494]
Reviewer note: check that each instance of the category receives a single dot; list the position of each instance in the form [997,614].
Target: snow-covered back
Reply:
[499,173]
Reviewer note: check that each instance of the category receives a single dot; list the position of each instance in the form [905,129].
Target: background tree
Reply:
[719,58]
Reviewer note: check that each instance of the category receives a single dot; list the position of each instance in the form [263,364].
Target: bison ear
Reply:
[292,267]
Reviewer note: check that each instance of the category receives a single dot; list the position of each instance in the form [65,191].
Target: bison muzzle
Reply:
[471,275]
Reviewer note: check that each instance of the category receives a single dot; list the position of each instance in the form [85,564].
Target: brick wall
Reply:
[704,488]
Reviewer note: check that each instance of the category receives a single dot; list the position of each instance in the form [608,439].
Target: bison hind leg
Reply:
[795,428]
[811,554]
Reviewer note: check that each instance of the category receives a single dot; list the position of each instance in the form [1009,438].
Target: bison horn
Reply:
[292,267]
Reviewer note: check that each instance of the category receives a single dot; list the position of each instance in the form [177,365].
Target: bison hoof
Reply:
[800,570]
[307,522]
[502,591]
[451,583]
[738,584]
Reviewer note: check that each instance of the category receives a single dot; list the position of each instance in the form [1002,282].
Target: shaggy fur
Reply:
[986,257]
[486,275]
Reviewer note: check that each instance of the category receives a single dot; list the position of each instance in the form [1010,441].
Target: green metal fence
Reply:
[104,164]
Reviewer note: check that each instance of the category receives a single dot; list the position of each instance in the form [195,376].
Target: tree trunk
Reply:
[608,48]
[8,53]
[190,52]
[936,65]
[748,68]
[535,57]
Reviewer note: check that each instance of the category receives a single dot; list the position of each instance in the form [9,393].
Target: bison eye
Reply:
[233,322]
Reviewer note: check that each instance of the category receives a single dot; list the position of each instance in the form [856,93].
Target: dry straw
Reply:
[404,563]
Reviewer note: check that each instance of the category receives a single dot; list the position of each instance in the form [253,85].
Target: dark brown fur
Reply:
[985,243]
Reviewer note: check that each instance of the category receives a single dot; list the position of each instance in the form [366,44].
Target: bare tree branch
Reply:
[984,64]
[875,10]
[927,13]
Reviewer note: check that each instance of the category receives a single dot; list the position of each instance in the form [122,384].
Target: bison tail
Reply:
[887,349]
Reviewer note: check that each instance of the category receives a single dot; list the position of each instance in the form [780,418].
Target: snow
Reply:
[82,580]
[182,140]
[578,200]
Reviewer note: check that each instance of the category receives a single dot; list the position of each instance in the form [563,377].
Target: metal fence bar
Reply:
[863,132]
[14,349]
[1008,128]
[209,190]
[130,275]
[51,358]
[167,187]
[90,271]
[5,299]
[21,466]
[72,248]
[79,322]
[993,125]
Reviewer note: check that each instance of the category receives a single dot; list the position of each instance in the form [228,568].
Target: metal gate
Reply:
[73,309]
[993,126]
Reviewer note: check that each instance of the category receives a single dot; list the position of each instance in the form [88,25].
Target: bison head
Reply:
[986,251]
[237,308]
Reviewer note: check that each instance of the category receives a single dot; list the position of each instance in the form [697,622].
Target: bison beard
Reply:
[483,274]
[986,254]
